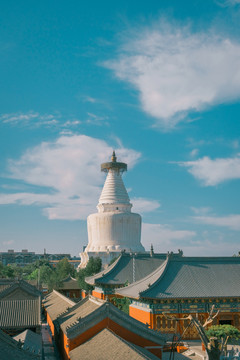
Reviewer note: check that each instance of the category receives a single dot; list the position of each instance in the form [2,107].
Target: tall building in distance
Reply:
[114,228]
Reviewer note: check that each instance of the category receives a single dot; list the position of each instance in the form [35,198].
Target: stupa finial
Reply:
[114,165]
[113,158]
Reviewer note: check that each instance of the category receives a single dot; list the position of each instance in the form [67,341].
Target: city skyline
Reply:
[159,83]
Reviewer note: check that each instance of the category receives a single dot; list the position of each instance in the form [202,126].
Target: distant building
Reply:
[114,228]
[26,257]
[20,258]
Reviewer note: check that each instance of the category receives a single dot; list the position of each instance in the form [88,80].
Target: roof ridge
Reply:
[20,284]
[96,300]
[205,258]
[103,272]
[153,273]
[167,262]
[108,310]
[131,345]
[64,297]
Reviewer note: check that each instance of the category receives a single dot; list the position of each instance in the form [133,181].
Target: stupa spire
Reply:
[114,195]
[113,158]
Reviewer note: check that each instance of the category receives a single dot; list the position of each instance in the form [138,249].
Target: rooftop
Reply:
[127,268]
[106,310]
[20,313]
[11,350]
[189,277]
[78,312]
[31,341]
[20,305]
[106,345]
[69,283]
[56,304]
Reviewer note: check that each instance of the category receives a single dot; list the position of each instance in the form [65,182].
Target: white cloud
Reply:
[177,71]
[30,117]
[201,210]
[141,205]
[68,169]
[213,172]
[71,123]
[163,237]
[18,117]
[194,152]
[90,99]
[96,119]
[231,221]
[226,3]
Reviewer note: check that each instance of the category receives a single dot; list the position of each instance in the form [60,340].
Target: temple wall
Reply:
[142,315]
[157,321]
[50,323]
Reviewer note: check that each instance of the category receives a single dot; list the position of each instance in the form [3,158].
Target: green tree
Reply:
[122,303]
[64,268]
[46,273]
[94,265]
[223,331]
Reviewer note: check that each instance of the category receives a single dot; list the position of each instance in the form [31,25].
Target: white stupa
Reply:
[114,228]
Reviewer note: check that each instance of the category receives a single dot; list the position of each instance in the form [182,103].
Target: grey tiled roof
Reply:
[56,304]
[31,341]
[10,350]
[79,311]
[125,267]
[191,277]
[5,283]
[106,345]
[20,289]
[69,283]
[20,313]
[135,288]
[109,311]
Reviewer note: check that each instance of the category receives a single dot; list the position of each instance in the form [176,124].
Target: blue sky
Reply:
[159,82]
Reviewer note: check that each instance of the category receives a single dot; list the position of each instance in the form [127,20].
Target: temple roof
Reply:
[121,271]
[56,304]
[69,283]
[31,341]
[108,311]
[19,289]
[20,305]
[20,313]
[11,350]
[5,283]
[79,311]
[106,345]
[189,277]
